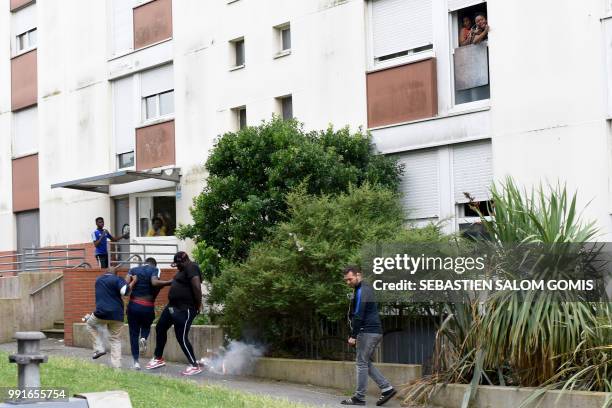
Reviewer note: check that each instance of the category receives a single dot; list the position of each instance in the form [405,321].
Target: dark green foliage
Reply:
[251,171]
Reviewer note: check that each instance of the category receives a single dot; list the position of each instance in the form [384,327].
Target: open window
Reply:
[156,215]
[470,28]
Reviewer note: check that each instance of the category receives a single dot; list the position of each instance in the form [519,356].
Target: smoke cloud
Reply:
[237,359]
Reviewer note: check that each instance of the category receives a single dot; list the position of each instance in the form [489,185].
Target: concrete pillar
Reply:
[28,358]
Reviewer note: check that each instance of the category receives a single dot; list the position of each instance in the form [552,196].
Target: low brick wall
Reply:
[79,299]
[334,374]
[451,396]
[202,338]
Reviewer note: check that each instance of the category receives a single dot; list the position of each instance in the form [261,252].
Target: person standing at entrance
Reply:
[109,312]
[100,238]
[141,308]
[184,303]
[366,334]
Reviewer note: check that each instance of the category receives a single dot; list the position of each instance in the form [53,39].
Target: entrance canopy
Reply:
[102,183]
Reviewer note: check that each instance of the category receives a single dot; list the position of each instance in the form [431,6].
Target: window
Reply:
[283,38]
[241,117]
[238,52]
[400,28]
[26,40]
[470,53]
[125,160]
[23,29]
[25,132]
[286,107]
[156,215]
[157,93]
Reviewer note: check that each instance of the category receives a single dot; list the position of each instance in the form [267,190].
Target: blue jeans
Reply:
[140,319]
[366,345]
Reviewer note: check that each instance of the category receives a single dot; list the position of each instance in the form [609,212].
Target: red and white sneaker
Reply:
[191,370]
[156,363]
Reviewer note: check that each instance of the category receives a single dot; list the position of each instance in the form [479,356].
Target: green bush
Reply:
[294,278]
[251,171]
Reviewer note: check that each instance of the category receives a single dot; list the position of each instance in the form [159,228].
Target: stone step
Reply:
[58,324]
[54,333]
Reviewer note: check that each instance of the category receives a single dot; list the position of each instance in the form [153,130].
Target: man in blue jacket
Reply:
[366,333]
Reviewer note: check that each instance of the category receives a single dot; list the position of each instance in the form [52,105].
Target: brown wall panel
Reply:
[402,94]
[15,4]
[25,183]
[152,23]
[24,83]
[155,146]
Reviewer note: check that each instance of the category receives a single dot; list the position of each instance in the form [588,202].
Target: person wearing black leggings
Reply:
[184,303]
[141,308]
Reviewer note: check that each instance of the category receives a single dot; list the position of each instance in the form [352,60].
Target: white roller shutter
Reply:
[420,184]
[607,29]
[25,133]
[124,115]
[157,80]
[459,4]
[123,25]
[401,25]
[472,171]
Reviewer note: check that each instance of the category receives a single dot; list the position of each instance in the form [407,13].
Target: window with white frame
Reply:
[23,29]
[156,215]
[124,121]
[237,53]
[285,104]
[240,116]
[283,38]
[400,28]
[157,93]
[25,132]
[470,50]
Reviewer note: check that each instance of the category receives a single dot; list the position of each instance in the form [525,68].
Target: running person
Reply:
[100,236]
[184,303]
[141,308]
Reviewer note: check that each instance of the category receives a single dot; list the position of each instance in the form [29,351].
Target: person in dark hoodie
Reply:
[366,334]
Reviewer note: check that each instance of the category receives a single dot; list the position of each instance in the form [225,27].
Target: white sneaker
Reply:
[143,345]
[136,365]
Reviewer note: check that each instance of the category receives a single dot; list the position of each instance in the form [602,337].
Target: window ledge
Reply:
[125,53]
[23,52]
[448,115]
[396,62]
[155,121]
[236,68]
[231,1]
[22,155]
[282,54]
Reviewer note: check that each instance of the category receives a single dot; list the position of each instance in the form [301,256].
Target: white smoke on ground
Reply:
[237,358]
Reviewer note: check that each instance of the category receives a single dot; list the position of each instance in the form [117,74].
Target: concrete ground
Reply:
[309,395]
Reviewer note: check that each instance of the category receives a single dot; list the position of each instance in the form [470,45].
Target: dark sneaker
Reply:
[98,354]
[353,401]
[386,396]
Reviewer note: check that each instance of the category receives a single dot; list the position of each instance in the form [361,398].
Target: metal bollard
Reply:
[28,358]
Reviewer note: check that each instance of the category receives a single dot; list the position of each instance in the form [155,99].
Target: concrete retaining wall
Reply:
[334,374]
[25,312]
[9,287]
[451,396]
[202,338]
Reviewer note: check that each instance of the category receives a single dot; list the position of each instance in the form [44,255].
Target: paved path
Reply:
[309,395]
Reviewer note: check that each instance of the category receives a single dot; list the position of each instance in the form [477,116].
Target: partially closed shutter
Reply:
[157,80]
[472,171]
[459,4]
[124,115]
[420,184]
[401,25]
[123,25]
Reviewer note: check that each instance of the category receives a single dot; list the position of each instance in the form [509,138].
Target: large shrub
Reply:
[294,278]
[251,171]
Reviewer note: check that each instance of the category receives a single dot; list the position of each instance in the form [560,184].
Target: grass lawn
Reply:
[145,390]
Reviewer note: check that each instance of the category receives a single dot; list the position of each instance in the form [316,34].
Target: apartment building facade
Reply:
[109,108]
